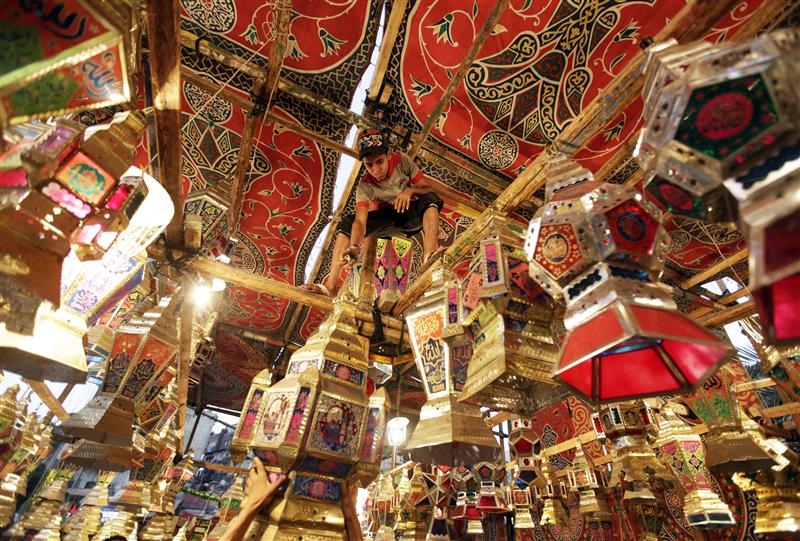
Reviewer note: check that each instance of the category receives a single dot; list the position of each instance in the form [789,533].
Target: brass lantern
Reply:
[79,56]
[582,478]
[251,410]
[729,446]
[683,453]
[627,426]
[316,423]
[448,431]
[602,247]
[778,508]
[509,316]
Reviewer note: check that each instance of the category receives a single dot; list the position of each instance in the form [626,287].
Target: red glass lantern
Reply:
[601,247]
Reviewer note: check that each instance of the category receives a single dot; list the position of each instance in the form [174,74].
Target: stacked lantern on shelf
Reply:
[602,247]
[85,522]
[681,450]
[318,423]
[509,317]
[729,116]
[229,506]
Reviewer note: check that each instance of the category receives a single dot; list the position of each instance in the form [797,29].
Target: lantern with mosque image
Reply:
[602,247]
[319,424]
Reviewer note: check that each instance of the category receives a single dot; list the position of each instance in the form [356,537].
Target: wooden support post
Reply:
[387,45]
[461,72]
[163,30]
[48,398]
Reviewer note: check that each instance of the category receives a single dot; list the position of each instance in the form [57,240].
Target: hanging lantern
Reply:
[466,510]
[550,494]
[314,423]
[683,453]
[770,221]
[368,466]
[778,508]
[627,426]
[211,206]
[521,501]
[439,528]
[84,51]
[509,316]
[491,498]
[729,446]
[448,431]
[601,247]
[251,410]
[582,478]
[53,351]
[730,116]
[681,192]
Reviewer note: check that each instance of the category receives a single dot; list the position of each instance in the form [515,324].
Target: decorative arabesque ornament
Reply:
[601,247]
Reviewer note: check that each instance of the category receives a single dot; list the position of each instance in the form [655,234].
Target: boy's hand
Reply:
[260,487]
[403,200]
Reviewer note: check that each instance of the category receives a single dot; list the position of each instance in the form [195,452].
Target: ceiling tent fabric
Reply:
[288,185]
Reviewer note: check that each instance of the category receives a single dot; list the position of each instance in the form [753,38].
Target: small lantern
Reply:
[582,478]
[514,351]
[729,446]
[602,247]
[683,453]
[522,503]
[627,425]
[251,411]
[778,508]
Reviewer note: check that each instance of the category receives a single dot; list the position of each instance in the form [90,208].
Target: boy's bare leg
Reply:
[430,232]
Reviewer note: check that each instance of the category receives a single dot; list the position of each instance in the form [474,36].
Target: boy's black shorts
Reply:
[386,222]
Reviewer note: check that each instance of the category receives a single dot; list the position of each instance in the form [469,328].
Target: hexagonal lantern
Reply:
[619,320]
[585,222]
[717,111]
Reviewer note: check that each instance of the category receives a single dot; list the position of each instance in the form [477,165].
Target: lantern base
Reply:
[704,509]
[732,451]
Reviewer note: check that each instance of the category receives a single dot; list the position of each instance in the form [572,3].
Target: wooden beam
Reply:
[285,85]
[163,30]
[261,284]
[690,24]
[458,76]
[729,315]
[48,398]
[387,45]
[185,354]
[281,17]
[715,269]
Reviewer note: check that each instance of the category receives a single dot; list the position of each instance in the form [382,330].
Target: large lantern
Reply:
[319,423]
[601,247]
[729,115]
[77,56]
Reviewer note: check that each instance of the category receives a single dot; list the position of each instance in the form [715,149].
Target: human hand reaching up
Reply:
[261,486]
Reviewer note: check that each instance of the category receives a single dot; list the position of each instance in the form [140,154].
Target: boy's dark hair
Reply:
[371,141]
